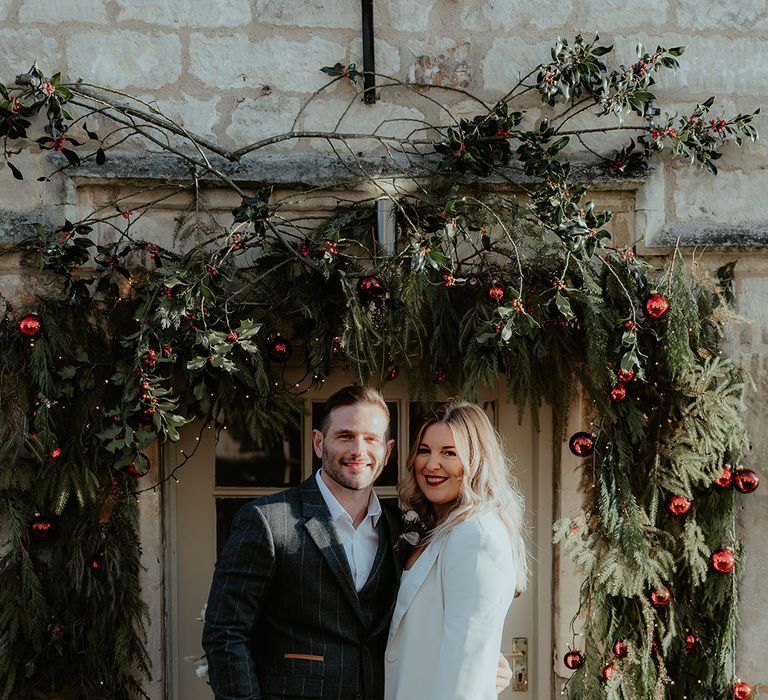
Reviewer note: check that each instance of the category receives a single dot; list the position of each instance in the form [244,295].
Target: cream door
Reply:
[217,476]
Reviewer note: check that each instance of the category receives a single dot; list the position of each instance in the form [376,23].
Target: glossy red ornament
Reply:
[496,293]
[278,348]
[745,480]
[391,373]
[573,660]
[725,480]
[625,375]
[656,306]
[41,527]
[678,505]
[439,376]
[660,597]
[370,289]
[608,670]
[742,690]
[621,649]
[723,561]
[30,325]
[690,642]
[618,393]
[581,444]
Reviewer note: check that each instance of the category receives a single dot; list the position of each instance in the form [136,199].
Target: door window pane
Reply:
[244,463]
[226,509]
[389,474]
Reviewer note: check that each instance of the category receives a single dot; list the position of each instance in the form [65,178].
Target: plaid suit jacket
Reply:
[283,617]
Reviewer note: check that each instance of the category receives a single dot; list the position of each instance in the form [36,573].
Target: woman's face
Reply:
[437,467]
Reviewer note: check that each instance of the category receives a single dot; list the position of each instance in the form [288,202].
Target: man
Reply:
[304,589]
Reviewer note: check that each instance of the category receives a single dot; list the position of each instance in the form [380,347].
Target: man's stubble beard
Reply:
[329,467]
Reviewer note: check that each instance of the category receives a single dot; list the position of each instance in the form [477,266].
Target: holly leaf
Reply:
[15,171]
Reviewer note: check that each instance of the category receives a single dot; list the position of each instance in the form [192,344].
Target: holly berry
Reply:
[581,444]
[723,561]
[97,567]
[678,505]
[745,480]
[690,642]
[496,293]
[656,306]
[278,348]
[660,597]
[573,659]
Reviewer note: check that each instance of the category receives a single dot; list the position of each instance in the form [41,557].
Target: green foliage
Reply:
[138,341]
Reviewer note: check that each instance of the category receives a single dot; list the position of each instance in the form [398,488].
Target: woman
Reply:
[457,585]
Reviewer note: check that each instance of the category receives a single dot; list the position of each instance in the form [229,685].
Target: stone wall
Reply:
[236,71]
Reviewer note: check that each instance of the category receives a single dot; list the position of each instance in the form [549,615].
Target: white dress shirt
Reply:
[361,543]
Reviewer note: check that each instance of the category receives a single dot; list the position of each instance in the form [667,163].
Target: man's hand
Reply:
[503,674]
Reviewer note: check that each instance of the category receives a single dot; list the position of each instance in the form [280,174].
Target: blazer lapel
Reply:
[323,533]
[412,582]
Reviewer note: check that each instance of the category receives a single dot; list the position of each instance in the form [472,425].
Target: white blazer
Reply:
[445,635]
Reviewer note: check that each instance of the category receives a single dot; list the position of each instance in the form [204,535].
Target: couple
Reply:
[305,601]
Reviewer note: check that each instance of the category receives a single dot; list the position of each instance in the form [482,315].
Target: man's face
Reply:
[354,448]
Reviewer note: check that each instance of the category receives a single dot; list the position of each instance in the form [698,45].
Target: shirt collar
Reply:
[337,510]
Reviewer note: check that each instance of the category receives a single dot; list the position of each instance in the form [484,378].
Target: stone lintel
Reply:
[690,234]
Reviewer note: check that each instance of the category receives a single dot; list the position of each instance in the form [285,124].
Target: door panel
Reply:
[221,476]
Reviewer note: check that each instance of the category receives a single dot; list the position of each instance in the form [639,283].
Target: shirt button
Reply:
[391,658]
[358,696]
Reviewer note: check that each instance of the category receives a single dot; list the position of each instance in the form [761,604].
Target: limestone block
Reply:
[441,62]
[409,16]
[299,13]
[386,55]
[125,58]
[22,49]
[73,10]
[5,6]
[516,15]
[187,13]
[19,195]
[253,120]
[743,15]
[236,62]
[385,118]
[508,60]
[735,197]
[615,15]
[198,115]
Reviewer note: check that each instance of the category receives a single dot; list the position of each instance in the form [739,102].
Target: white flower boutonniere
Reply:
[413,528]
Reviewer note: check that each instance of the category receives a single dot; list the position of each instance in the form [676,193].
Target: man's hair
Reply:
[350,396]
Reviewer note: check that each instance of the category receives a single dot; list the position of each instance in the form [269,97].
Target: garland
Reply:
[131,341]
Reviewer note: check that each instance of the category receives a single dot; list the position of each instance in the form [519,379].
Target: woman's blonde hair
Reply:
[486,485]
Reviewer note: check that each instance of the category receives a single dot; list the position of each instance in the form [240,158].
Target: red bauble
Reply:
[723,561]
[725,480]
[30,325]
[608,671]
[41,527]
[278,348]
[496,293]
[678,505]
[625,375]
[618,393]
[370,289]
[134,471]
[745,480]
[656,306]
[573,660]
[621,649]
[661,597]
[581,444]
[690,642]
[55,453]
[391,373]
[439,376]
[742,690]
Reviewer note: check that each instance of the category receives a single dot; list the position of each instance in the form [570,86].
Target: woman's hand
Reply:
[503,674]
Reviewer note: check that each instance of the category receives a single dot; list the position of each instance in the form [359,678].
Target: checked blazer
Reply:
[283,617]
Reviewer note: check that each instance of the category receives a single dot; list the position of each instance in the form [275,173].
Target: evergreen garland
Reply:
[134,341]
